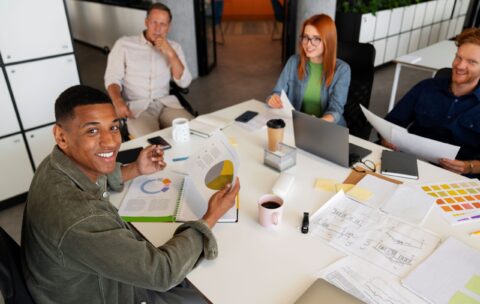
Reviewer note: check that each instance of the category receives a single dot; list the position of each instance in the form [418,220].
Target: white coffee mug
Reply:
[180,130]
[270,210]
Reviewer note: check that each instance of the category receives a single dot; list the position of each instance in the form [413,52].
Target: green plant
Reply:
[371,6]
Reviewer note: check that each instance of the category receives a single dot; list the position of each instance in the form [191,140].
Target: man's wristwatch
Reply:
[470,165]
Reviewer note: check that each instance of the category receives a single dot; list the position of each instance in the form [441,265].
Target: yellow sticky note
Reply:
[233,141]
[461,298]
[325,184]
[344,187]
[474,284]
[360,194]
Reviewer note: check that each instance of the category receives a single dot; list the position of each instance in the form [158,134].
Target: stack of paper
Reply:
[206,125]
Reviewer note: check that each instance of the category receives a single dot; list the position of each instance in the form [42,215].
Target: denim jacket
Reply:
[333,97]
[77,249]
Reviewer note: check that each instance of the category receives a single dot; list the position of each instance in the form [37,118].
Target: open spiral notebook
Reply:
[167,196]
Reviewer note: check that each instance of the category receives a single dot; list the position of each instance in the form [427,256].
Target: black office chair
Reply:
[443,73]
[12,283]
[361,58]
[279,16]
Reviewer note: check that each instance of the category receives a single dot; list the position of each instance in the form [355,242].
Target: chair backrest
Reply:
[361,58]
[278,11]
[443,73]
[12,283]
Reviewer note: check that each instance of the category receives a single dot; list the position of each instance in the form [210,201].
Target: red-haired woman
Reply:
[315,81]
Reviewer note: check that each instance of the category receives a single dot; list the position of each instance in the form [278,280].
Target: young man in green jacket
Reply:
[75,246]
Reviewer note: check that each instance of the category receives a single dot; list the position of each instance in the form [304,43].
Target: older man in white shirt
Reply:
[139,71]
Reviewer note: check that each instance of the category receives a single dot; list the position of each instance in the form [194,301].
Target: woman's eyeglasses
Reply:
[364,166]
[314,40]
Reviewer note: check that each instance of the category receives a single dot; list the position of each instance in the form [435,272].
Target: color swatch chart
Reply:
[458,201]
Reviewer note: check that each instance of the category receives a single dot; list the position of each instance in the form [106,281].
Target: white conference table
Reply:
[431,58]
[256,265]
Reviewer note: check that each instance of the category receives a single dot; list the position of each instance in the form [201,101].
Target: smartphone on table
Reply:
[159,141]
[246,116]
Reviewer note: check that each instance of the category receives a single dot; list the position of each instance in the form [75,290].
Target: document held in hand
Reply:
[168,196]
[424,148]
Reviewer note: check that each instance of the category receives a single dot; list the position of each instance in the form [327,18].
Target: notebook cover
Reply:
[399,164]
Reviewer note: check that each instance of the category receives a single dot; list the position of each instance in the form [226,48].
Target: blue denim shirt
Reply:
[332,97]
[430,110]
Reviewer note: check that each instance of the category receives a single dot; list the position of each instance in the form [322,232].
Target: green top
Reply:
[311,98]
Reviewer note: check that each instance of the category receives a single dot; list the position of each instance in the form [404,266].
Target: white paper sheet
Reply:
[451,269]
[287,105]
[381,125]
[424,148]
[409,204]
[367,282]
[393,245]
[382,190]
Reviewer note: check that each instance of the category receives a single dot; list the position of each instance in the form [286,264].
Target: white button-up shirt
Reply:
[141,71]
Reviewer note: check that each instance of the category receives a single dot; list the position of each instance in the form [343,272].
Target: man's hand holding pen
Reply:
[150,160]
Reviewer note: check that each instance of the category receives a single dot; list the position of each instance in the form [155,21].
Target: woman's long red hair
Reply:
[328,33]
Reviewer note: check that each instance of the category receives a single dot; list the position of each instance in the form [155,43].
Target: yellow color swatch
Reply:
[360,194]
[325,184]
[461,298]
[344,187]
[474,284]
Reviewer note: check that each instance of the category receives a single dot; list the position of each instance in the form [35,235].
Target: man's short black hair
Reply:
[75,96]
[162,7]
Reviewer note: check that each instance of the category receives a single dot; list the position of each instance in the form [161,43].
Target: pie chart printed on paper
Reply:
[219,175]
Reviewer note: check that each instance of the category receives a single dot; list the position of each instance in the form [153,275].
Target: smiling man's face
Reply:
[91,138]
[466,65]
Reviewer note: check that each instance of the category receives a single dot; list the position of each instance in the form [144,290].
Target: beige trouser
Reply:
[157,116]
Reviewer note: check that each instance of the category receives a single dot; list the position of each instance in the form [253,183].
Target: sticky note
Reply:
[461,298]
[359,194]
[325,184]
[344,187]
[474,284]
[233,141]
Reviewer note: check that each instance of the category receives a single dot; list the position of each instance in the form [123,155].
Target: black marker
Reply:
[305,223]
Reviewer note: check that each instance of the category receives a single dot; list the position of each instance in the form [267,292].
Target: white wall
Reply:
[101,25]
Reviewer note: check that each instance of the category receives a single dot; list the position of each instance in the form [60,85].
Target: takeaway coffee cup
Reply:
[270,210]
[180,130]
[275,133]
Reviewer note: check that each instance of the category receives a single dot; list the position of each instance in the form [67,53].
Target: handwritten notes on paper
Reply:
[367,282]
[393,245]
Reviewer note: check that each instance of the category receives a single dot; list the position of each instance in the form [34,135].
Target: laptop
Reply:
[325,139]
[323,292]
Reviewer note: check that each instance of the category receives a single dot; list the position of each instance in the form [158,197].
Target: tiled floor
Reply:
[248,65]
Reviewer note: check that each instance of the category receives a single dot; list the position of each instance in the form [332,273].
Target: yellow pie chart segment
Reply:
[219,175]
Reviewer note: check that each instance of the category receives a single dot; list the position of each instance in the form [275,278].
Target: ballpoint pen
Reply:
[475,233]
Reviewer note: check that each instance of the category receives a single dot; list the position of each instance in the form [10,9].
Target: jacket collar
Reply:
[63,163]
